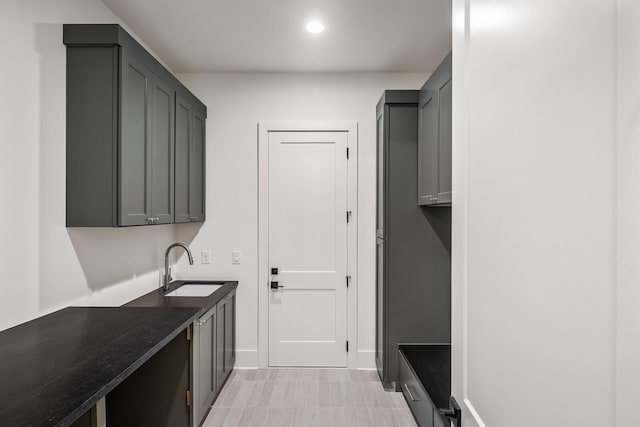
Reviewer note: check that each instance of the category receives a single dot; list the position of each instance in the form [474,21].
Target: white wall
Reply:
[236,102]
[628,249]
[533,217]
[43,265]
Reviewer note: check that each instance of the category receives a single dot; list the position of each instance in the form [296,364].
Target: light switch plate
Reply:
[205,257]
[236,257]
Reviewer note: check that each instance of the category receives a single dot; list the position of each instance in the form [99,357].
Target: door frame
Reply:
[264,128]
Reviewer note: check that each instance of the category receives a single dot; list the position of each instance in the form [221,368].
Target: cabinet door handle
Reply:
[150,219]
[193,218]
[411,396]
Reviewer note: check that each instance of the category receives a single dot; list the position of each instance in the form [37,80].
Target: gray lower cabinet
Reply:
[204,353]
[434,137]
[225,350]
[189,160]
[155,394]
[415,395]
[213,354]
[122,119]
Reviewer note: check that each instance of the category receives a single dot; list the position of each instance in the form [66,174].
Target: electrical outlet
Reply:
[236,257]
[205,257]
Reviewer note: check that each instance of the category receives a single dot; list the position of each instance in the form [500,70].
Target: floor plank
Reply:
[307,398]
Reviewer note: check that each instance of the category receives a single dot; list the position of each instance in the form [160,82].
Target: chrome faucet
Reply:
[166,277]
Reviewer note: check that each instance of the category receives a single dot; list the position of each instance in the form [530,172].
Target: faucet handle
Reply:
[169,278]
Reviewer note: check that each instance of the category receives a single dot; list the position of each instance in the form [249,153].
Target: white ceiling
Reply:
[270,35]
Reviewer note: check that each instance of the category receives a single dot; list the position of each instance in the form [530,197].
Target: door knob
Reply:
[274,285]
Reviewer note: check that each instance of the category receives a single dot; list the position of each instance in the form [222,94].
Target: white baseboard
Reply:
[246,359]
[366,360]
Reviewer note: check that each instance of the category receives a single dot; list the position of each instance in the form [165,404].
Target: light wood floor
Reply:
[307,397]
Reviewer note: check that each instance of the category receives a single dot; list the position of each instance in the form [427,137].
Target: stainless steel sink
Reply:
[194,290]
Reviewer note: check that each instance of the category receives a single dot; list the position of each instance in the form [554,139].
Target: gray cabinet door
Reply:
[184,117]
[134,156]
[380,160]
[428,147]
[204,378]
[230,334]
[189,162]
[434,138]
[162,151]
[224,340]
[380,309]
[197,168]
[415,395]
[444,143]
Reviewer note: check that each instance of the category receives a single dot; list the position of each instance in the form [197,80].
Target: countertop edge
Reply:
[89,403]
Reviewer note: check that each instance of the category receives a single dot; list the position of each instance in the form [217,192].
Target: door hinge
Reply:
[188,398]
[348,280]
[347,153]
[347,346]
[189,332]
[348,216]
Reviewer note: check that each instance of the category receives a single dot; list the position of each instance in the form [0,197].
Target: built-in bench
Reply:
[424,375]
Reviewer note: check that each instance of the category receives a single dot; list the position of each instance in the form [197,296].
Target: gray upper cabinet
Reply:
[162,151]
[123,126]
[427,147]
[189,161]
[134,147]
[434,138]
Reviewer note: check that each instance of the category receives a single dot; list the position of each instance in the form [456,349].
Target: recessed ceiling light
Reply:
[315,27]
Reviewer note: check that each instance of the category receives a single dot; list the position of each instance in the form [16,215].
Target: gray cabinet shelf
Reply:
[434,138]
[127,137]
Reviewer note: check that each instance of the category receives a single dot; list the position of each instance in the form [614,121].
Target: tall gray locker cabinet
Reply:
[413,290]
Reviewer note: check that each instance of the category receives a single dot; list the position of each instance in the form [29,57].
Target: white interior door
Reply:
[308,246]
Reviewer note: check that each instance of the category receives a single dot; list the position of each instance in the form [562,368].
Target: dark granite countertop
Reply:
[432,365]
[157,299]
[54,368]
